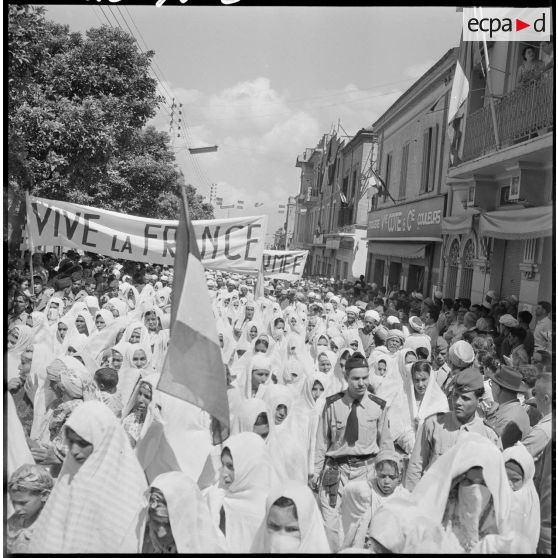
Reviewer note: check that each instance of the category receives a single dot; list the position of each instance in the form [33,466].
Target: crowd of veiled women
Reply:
[100,460]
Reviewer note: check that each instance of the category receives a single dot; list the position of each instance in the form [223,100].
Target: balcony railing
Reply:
[520,115]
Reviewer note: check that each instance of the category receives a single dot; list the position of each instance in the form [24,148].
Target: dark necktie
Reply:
[222,520]
[351,430]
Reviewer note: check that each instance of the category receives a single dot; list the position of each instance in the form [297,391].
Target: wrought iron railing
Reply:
[521,114]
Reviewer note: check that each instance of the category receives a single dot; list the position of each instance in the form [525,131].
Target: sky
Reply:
[265,83]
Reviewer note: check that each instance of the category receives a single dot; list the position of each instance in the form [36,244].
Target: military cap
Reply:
[469,379]
[356,360]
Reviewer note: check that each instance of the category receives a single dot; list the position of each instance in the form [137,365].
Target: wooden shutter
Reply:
[403,176]
[388,173]
[433,156]
[425,160]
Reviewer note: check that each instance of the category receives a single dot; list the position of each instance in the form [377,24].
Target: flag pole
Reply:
[216,431]
[185,201]
[488,79]
[29,241]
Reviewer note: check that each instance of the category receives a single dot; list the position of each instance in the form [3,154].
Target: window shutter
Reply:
[433,156]
[403,176]
[388,174]
[425,160]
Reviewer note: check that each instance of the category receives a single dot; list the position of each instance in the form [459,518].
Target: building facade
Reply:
[405,224]
[290,223]
[499,223]
[307,209]
[332,209]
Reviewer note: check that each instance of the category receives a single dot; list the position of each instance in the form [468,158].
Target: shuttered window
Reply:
[387,175]
[403,175]
[429,156]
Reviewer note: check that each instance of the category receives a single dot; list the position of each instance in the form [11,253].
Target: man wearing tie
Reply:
[352,431]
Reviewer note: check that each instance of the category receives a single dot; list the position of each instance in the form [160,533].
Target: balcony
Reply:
[520,115]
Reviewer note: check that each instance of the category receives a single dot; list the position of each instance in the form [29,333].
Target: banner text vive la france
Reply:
[227,244]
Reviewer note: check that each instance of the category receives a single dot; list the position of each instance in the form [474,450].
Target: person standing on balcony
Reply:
[531,68]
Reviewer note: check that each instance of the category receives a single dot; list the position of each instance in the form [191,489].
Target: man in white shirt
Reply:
[543,327]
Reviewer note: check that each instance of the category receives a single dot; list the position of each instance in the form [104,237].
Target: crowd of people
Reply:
[361,420]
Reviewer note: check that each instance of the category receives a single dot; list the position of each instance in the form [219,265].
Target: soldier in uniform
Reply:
[441,431]
[352,430]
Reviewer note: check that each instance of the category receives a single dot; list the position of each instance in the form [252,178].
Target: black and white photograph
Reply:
[279,279]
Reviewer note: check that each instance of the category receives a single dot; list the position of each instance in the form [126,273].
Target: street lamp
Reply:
[198,150]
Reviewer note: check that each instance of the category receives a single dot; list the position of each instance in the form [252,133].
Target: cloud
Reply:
[260,131]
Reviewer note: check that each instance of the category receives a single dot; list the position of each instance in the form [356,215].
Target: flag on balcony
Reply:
[460,85]
[193,368]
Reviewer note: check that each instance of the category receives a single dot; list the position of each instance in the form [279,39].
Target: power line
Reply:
[109,22]
[157,79]
[181,121]
[300,99]
[275,114]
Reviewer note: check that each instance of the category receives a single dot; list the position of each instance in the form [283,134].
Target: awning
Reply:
[521,224]
[457,224]
[396,249]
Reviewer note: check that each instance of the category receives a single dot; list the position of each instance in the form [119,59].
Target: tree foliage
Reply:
[78,107]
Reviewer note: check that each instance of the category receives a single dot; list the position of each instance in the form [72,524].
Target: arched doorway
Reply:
[453,268]
[467,270]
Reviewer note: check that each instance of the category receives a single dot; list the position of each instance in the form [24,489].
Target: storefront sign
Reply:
[421,218]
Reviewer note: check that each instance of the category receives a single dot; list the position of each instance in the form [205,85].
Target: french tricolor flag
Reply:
[193,369]
[460,85]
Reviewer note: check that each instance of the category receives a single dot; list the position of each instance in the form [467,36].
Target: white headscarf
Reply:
[244,378]
[71,338]
[302,420]
[312,533]
[433,401]
[54,300]
[129,374]
[244,500]
[94,506]
[24,342]
[472,450]
[525,507]
[41,330]
[120,306]
[192,527]
[224,329]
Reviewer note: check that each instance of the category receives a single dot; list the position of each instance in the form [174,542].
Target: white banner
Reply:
[234,245]
[284,264]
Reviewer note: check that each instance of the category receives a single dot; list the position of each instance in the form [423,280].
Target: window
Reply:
[504,195]
[429,153]
[387,174]
[530,250]
[403,175]
[354,191]
[345,189]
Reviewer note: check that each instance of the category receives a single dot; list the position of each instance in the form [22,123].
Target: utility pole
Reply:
[213,194]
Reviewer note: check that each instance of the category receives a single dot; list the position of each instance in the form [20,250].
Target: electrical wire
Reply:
[202,176]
